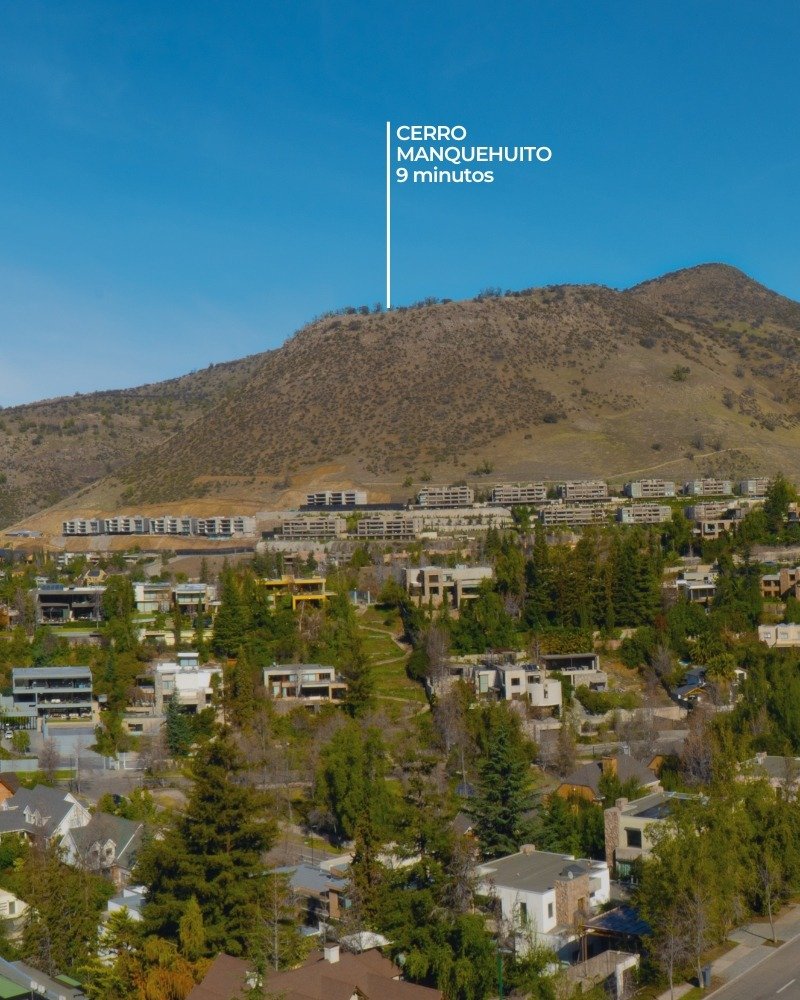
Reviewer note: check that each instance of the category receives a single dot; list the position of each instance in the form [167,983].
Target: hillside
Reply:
[692,373]
[51,449]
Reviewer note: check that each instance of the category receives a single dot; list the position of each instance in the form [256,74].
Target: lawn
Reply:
[388,659]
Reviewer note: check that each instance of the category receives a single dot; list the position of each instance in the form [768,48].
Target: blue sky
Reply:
[189,182]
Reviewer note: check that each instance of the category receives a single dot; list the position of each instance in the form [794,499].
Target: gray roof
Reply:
[628,768]
[534,871]
[52,804]
[310,878]
[780,768]
[23,975]
[102,827]
[33,673]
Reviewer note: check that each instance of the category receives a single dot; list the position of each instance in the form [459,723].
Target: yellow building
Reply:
[301,589]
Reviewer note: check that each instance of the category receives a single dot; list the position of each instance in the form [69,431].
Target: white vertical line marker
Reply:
[388,216]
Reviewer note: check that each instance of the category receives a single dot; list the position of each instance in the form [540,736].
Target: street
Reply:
[778,976]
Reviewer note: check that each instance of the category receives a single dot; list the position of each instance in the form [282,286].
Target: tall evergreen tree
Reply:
[503,796]
[213,852]
[229,624]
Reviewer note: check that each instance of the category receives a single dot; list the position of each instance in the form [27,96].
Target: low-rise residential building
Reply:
[60,605]
[12,910]
[644,513]
[517,493]
[300,589]
[754,487]
[83,526]
[519,681]
[586,780]
[558,514]
[216,526]
[52,692]
[322,526]
[641,489]
[582,669]
[708,487]
[191,685]
[309,682]
[781,585]
[152,597]
[108,845]
[583,490]
[337,498]
[783,773]
[42,812]
[387,526]
[697,586]
[545,896]
[131,900]
[439,583]
[192,599]
[320,894]
[446,496]
[20,981]
[780,636]
[629,828]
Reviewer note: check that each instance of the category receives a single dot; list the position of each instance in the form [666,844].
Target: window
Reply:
[549,911]
[633,838]
[523,913]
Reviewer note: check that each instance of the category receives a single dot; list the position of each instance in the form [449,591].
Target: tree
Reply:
[276,938]
[21,741]
[178,729]
[503,796]
[670,945]
[49,760]
[780,494]
[191,932]
[229,624]
[212,852]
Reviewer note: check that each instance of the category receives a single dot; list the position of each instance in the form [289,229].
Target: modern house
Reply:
[184,680]
[585,781]
[782,585]
[519,681]
[629,827]
[60,605]
[697,586]
[582,669]
[305,682]
[302,590]
[440,583]
[52,692]
[545,896]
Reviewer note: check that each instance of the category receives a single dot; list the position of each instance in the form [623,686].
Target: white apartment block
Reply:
[224,527]
[446,496]
[553,516]
[590,489]
[641,489]
[167,524]
[519,681]
[708,488]
[754,487]
[83,526]
[337,498]
[314,527]
[644,513]
[509,495]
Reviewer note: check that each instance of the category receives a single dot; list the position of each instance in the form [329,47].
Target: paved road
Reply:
[778,976]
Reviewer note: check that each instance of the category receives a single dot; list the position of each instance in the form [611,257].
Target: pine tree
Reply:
[503,791]
[229,624]
[242,690]
[178,729]
[213,852]
[191,932]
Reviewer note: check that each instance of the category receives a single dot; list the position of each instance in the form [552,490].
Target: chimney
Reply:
[528,849]
[609,765]
[331,953]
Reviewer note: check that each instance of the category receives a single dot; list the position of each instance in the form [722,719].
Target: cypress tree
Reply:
[503,792]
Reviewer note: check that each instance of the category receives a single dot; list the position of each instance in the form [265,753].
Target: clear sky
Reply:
[190,181]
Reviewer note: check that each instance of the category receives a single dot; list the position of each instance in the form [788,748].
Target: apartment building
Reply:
[644,513]
[754,487]
[308,682]
[446,496]
[60,605]
[780,636]
[708,488]
[127,524]
[781,585]
[572,516]
[167,524]
[583,490]
[528,493]
[337,498]
[192,599]
[299,528]
[183,680]
[223,527]
[388,527]
[439,583]
[52,692]
[642,489]
[83,526]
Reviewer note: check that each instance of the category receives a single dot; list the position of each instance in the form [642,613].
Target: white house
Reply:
[543,896]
